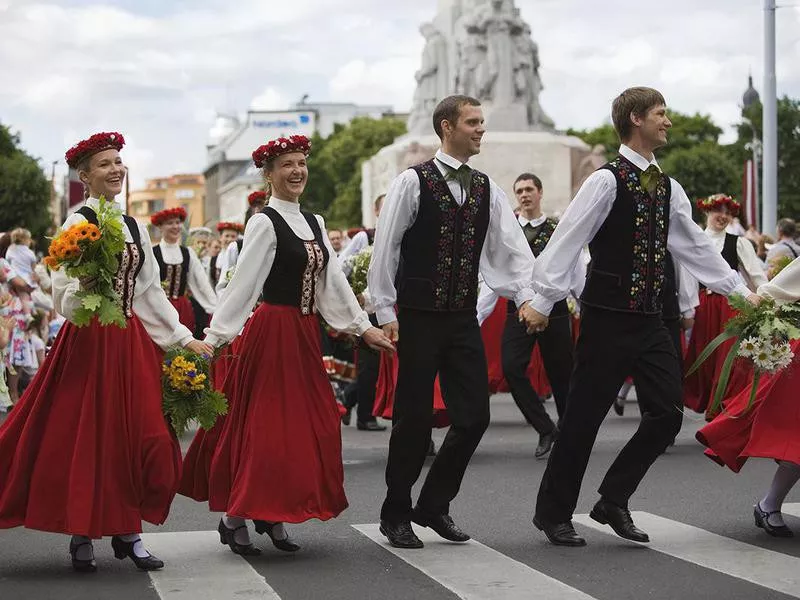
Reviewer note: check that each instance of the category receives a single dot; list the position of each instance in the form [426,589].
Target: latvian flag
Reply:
[74,190]
[750,193]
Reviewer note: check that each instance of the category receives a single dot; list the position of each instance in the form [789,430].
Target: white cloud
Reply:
[269,99]
[375,83]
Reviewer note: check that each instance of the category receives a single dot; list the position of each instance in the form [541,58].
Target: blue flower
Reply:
[168,362]
[191,374]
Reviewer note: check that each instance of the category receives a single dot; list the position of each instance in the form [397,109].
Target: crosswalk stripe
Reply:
[473,571]
[773,570]
[791,508]
[198,568]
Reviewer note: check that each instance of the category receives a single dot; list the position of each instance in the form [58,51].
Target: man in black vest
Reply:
[442,223]
[630,214]
[555,342]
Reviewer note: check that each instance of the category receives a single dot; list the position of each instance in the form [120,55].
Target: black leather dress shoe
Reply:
[227,537]
[546,442]
[78,564]
[560,534]
[348,414]
[762,521]
[370,426]
[286,544]
[620,520]
[443,525]
[400,535]
[124,550]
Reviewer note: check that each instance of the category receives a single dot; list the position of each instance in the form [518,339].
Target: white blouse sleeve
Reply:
[749,263]
[335,299]
[688,292]
[226,262]
[487,300]
[65,287]
[252,269]
[150,303]
[785,286]
[199,284]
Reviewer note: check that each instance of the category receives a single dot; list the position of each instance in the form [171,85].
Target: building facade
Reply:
[186,190]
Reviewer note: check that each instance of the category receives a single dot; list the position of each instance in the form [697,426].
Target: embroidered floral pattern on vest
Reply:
[454,272]
[649,237]
[314,266]
[125,279]
[172,284]
[543,236]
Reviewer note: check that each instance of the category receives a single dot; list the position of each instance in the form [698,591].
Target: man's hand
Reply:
[687,323]
[533,319]
[392,331]
[754,299]
[202,348]
[378,340]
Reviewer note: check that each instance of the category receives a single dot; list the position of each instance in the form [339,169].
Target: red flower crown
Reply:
[97,143]
[294,143]
[257,196]
[717,201]
[169,213]
[223,225]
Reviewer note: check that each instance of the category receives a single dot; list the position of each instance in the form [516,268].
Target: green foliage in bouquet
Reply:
[358,275]
[761,334]
[187,392]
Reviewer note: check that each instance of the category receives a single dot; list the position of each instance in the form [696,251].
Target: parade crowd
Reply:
[457,294]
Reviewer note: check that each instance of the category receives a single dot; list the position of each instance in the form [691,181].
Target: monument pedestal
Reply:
[504,155]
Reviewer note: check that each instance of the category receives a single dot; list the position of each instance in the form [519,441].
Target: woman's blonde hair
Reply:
[20,235]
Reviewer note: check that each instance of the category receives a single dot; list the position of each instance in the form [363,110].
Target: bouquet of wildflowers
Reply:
[761,335]
[360,267]
[187,392]
[90,251]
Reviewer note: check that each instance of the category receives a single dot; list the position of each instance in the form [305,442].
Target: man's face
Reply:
[529,197]
[653,127]
[335,238]
[466,134]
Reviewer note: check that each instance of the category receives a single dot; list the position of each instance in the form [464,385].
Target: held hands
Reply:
[378,340]
[534,320]
[392,331]
[203,348]
[687,323]
[754,299]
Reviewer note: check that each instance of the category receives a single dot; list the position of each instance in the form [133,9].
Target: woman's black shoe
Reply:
[226,538]
[124,549]
[82,566]
[762,520]
[287,545]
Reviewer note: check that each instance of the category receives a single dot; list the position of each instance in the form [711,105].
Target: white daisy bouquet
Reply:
[761,335]
[359,264]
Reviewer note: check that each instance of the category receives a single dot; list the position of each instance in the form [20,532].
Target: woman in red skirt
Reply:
[768,429]
[714,310]
[279,457]
[181,272]
[87,451]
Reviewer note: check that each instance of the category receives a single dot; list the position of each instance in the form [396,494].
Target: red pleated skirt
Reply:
[87,450]
[185,311]
[710,319]
[278,454]
[769,429]
[387,386]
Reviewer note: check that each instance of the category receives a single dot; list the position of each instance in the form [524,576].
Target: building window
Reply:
[184,194]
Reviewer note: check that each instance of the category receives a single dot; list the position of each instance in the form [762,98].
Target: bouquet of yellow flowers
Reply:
[90,251]
[187,392]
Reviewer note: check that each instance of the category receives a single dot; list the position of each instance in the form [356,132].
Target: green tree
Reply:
[24,188]
[341,158]
[319,188]
[703,169]
[788,150]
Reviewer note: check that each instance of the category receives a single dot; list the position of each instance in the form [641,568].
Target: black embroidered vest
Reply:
[298,263]
[629,250]
[440,252]
[729,253]
[173,277]
[130,260]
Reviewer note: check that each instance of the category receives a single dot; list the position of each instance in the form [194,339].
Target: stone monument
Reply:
[484,49]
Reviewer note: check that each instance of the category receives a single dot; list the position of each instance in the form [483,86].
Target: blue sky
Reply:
[159,70]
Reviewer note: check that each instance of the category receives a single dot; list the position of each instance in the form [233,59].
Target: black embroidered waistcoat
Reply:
[292,280]
[173,277]
[629,250]
[729,253]
[440,252]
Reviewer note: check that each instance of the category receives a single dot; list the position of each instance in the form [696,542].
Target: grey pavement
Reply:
[495,506]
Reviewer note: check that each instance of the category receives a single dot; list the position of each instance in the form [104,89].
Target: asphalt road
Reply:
[699,517]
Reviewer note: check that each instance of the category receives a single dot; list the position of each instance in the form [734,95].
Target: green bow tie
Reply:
[463,175]
[650,178]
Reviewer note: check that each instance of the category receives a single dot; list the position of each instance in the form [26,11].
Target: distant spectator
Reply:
[785,246]
[21,257]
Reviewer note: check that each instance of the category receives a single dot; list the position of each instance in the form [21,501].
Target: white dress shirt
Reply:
[356,245]
[150,303]
[197,281]
[226,263]
[334,299]
[505,261]
[586,214]
[785,286]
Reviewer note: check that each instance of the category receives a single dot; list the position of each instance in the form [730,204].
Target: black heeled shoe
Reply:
[227,538]
[80,565]
[123,549]
[287,545]
[762,521]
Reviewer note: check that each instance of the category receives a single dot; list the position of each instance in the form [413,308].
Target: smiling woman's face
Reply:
[104,174]
[288,174]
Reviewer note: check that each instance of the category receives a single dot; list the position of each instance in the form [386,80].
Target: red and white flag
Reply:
[750,193]
[74,190]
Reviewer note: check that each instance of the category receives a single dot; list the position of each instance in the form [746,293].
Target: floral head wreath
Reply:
[270,150]
[717,201]
[165,215]
[223,225]
[256,197]
[97,143]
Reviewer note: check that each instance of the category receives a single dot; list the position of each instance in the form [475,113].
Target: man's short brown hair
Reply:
[633,101]
[449,109]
